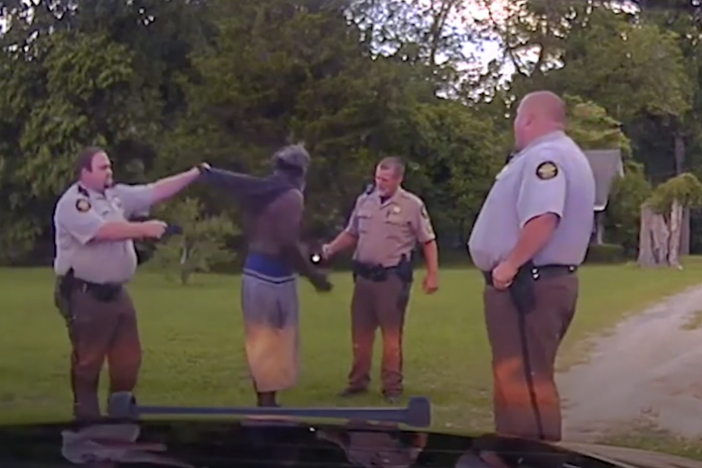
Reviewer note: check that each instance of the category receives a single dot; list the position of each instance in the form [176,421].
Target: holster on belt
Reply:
[405,271]
[63,291]
[372,272]
[379,273]
[67,284]
[522,289]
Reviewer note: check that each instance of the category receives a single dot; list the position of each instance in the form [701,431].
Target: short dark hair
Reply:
[395,163]
[85,158]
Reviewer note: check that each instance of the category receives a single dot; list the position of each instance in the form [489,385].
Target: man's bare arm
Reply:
[288,215]
[431,257]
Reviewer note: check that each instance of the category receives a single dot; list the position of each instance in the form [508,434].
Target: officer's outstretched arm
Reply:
[168,187]
[79,218]
[122,230]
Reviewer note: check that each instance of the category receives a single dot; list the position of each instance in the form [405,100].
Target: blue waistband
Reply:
[267,265]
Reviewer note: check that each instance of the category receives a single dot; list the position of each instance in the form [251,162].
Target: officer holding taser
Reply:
[386,224]
[95,258]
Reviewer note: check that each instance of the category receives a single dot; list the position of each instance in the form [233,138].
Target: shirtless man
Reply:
[273,208]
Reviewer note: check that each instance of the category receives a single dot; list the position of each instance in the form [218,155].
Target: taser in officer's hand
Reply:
[173,230]
[318,260]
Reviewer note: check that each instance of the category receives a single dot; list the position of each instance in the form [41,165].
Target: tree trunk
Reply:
[646,257]
[661,239]
[679,154]
[659,245]
[676,219]
[186,252]
[685,233]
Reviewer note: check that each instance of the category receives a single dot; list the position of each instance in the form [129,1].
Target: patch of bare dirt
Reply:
[649,368]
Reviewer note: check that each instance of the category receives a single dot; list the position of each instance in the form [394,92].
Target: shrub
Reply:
[605,253]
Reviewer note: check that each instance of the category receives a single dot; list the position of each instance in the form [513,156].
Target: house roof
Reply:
[606,166]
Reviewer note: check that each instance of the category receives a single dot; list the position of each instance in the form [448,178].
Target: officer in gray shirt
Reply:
[529,238]
[95,258]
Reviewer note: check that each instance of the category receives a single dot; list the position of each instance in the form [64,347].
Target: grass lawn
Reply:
[193,341]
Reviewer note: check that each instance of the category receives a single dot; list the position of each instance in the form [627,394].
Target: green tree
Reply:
[453,156]
[662,217]
[201,246]
[627,195]
[593,128]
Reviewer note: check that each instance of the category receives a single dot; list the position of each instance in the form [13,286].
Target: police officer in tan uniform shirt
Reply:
[95,258]
[385,226]
[531,235]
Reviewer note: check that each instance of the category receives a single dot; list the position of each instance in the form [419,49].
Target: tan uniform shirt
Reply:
[387,231]
[78,216]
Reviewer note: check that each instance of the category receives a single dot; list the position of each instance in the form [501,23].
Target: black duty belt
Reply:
[101,291]
[372,272]
[541,271]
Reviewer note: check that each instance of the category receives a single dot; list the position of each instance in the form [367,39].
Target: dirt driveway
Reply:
[650,369]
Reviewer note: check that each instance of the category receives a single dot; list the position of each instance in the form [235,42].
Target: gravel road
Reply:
[649,369]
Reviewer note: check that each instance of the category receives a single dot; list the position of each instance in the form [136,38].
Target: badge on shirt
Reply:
[82,205]
[393,215]
[546,170]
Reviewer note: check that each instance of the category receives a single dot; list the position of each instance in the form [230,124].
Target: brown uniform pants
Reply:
[102,330]
[376,304]
[544,329]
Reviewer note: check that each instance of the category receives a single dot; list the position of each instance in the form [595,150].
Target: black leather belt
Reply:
[104,292]
[541,271]
[376,273]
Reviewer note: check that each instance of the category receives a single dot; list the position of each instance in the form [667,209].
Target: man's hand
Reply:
[321,283]
[153,229]
[203,167]
[431,283]
[326,252]
[503,275]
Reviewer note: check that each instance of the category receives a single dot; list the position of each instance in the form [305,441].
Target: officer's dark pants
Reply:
[373,305]
[98,331]
[546,326]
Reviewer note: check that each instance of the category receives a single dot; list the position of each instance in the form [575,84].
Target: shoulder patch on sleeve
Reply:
[423,212]
[546,170]
[83,205]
